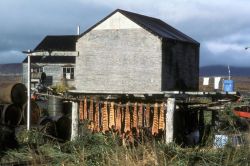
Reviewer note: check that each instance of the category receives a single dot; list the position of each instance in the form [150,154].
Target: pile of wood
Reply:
[121,117]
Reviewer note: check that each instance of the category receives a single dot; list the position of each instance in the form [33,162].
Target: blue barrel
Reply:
[228,85]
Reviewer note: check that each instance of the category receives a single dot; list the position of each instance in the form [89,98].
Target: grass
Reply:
[99,149]
[105,149]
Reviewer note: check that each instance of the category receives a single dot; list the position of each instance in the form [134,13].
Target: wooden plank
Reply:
[170,120]
[54,53]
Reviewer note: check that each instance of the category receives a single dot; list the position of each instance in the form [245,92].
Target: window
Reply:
[68,73]
[37,70]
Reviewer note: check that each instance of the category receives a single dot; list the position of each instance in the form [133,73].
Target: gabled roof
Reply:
[153,25]
[52,59]
[57,43]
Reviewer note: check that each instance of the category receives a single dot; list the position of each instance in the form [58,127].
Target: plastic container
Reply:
[228,85]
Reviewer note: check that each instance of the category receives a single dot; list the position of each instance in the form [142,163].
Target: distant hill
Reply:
[11,69]
[220,70]
[217,70]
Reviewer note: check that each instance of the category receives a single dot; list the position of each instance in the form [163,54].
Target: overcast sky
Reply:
[221,26]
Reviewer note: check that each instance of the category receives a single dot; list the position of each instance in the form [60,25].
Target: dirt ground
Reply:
[10,79]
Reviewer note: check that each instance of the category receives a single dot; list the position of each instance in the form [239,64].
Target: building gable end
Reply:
[117,21]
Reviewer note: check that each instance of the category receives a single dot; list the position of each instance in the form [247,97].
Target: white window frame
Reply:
[68,73]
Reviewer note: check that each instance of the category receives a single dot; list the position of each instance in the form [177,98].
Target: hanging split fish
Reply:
[155,126]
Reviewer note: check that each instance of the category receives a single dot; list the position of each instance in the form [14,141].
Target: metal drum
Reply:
[63,127]
[11,114]
[55,106]
[13,93]
[35,113]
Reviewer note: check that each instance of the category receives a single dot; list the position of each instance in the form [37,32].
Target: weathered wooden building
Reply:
[132,53]
[124,53]
[57,68]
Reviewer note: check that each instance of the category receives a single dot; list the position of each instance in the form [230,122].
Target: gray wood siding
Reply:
[124,60]
[180,66]
[54,70]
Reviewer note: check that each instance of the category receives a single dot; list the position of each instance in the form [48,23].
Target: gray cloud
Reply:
[222,27]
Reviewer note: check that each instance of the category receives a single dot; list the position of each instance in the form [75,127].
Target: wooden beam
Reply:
[170,120]
[55,53]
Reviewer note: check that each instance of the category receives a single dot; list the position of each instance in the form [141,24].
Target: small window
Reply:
[68,73]
[37,70]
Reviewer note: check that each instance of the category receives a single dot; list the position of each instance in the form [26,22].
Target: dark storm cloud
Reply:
[222,27]
[23,24]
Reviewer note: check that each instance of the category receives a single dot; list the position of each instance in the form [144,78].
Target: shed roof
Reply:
[55,43]
[153,25]
[52,59]
[58,43]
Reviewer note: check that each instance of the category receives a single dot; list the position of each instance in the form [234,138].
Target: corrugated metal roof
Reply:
[58,43]
[153,25]
[52,59]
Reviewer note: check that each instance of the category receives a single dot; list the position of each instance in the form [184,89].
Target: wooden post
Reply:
[74,123]
[28,91]
[170,120]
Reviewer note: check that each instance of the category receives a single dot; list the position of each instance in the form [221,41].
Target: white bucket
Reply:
[220,141]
